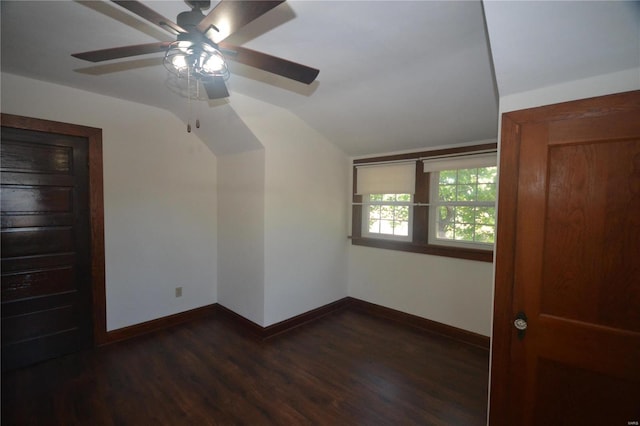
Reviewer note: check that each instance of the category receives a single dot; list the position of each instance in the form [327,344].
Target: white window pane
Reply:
[387,221]
[386,227]
[402,228]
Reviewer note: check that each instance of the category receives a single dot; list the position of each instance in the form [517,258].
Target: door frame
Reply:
[501,371]
[96,207]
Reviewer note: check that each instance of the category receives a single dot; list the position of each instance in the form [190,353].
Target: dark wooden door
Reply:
[568,257]
[46,271]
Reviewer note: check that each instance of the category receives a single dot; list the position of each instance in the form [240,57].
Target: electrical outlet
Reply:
[178,291]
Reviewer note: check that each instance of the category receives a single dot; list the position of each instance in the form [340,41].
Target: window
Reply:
[440,202]
[387,216]
[462,207]
[463,200]
[387,199]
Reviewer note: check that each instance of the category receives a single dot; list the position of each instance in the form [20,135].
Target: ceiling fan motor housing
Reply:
[199,4]
[190,20]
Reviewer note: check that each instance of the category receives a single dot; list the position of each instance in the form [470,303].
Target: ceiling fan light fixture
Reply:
[179,62]
[184,45]
[196,60]
[214,63]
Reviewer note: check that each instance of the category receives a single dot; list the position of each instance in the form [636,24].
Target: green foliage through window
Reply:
[388,214]
[466,205]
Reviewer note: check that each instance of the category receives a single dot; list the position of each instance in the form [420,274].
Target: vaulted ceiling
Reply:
[394,75]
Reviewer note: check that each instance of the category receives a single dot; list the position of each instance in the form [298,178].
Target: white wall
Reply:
[241,233]
[306,229]
[616,82]
[536,44]
[455,292]
[305,242]
[450,291]
[159,196]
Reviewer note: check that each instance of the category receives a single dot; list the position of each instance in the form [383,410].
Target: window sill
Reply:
[460,253]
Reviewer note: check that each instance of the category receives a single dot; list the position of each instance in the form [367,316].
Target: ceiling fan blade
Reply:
[279,66]
[122,52]
[216,88]
[150,15]
[229,16]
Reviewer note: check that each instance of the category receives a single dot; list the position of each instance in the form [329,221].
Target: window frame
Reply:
[420,212]
[435,204]
[392,237]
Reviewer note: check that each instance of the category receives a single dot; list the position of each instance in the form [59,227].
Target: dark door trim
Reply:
[96,207]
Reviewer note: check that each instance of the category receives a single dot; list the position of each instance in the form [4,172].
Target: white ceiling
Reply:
[541,43]
[394,75]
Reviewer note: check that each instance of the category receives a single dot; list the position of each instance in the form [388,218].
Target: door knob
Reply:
[520,324]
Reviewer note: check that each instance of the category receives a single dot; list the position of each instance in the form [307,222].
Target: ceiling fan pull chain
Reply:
[198,100]
[189,100]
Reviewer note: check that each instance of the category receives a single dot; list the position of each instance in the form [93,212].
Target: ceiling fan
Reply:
[199,52]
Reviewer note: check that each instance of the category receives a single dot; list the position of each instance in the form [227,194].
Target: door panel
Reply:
[18,242]
[579,393]
[32,283]
[46,273]
[45,200]
[36,157]
[590,215]
[40,323]
[567,256]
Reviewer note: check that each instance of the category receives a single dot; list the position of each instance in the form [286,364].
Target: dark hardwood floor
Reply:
[347,368]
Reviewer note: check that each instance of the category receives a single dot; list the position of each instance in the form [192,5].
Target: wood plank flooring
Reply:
[347,368]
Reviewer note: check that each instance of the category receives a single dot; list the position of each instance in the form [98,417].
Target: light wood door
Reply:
[568,257]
